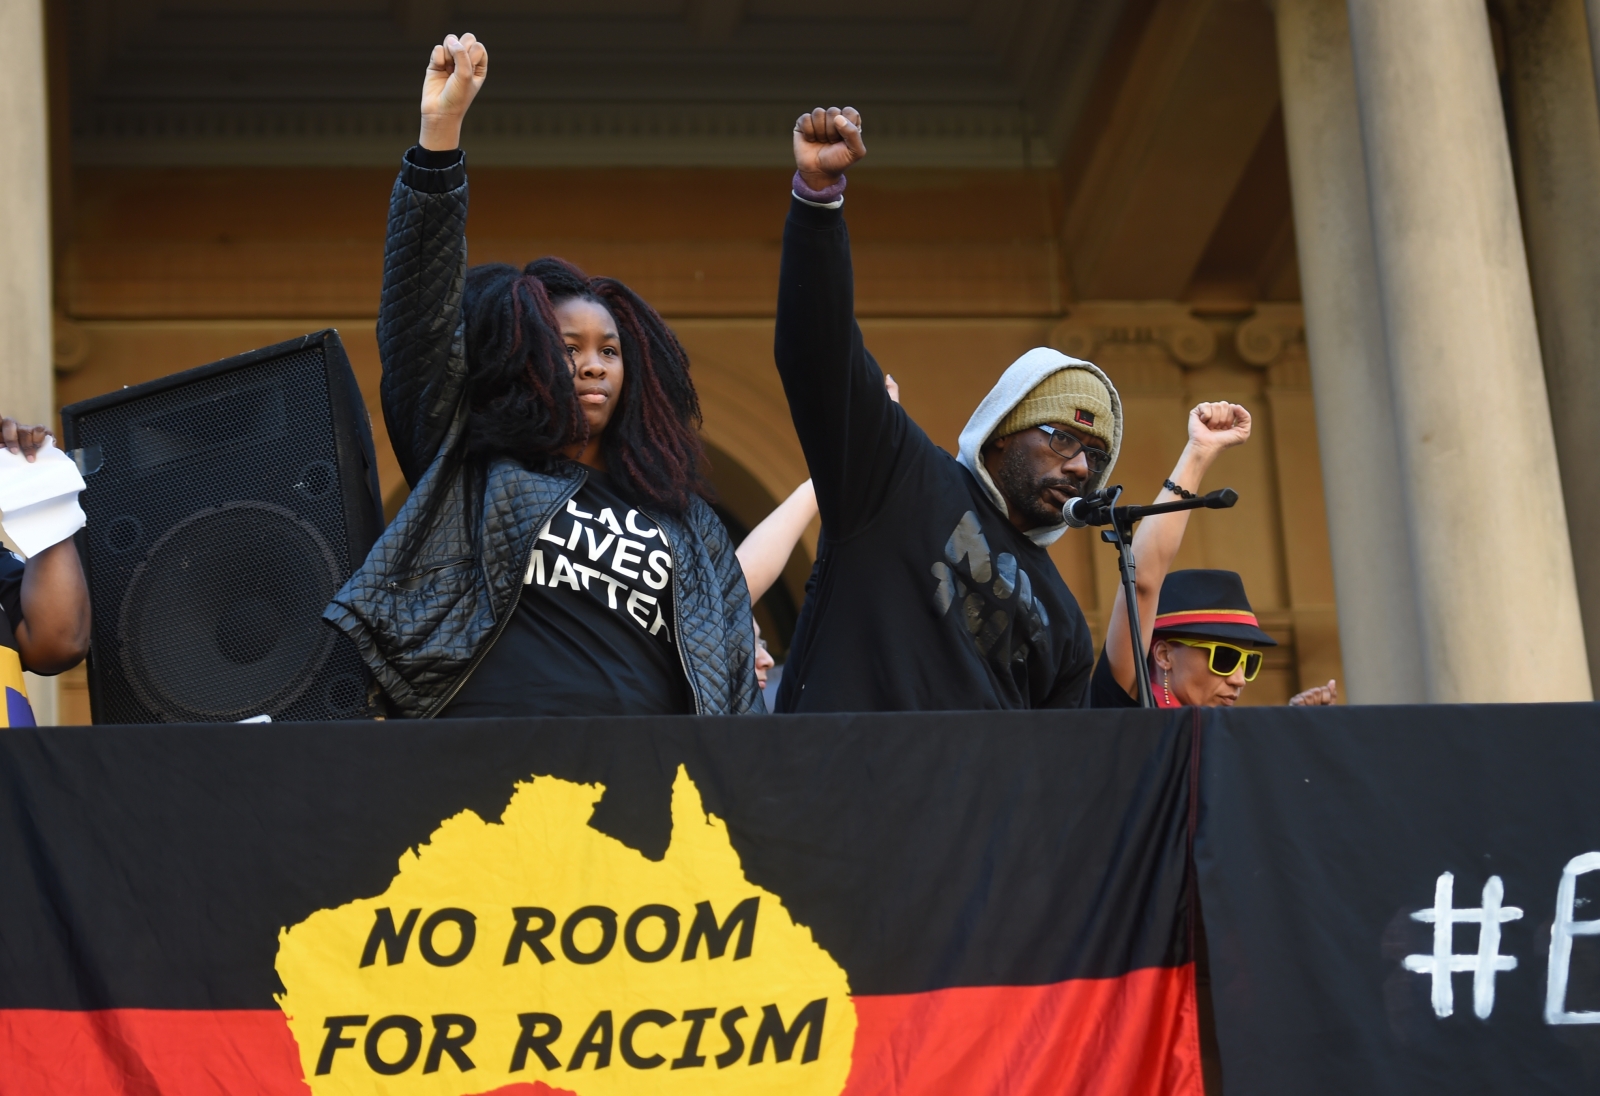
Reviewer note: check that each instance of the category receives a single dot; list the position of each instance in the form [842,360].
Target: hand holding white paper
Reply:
[39,500]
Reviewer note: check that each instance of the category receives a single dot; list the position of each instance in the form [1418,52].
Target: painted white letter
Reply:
[1561,934]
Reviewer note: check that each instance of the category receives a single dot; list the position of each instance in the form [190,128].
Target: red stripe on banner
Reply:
[148,1052]
[1131,1036]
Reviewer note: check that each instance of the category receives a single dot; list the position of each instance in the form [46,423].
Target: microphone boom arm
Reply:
[1096,509]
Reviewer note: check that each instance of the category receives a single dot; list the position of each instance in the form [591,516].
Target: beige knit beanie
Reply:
[1075,397]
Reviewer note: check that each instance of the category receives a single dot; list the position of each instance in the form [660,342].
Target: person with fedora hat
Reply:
[1203,639]
[1206,646]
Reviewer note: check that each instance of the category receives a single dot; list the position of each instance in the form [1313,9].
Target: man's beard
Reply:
[1025,491]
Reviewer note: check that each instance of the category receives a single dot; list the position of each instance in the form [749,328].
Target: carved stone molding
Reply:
[1095,326]
[683,83]
[540,134]
[1274,328]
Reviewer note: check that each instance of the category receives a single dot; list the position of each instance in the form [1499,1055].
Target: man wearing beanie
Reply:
[934,589]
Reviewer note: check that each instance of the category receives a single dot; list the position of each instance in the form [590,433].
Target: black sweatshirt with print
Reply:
[927,597]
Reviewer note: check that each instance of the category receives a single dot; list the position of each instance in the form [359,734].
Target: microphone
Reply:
[1096,508]
[1091,509]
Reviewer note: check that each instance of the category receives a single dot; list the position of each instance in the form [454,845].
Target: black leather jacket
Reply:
[444,578]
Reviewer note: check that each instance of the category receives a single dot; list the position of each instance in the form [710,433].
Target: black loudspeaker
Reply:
[230,503]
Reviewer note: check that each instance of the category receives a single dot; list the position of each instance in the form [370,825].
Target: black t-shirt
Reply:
[11,568]
[594,632]
[1104,692]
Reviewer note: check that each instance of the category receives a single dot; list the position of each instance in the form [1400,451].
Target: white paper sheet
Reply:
[39,499]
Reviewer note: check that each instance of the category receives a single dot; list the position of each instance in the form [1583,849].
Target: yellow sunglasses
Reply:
[1224,657]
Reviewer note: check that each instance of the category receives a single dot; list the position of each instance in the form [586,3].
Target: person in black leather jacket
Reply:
[555,555]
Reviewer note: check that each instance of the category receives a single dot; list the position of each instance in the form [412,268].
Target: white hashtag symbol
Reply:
[1444,962]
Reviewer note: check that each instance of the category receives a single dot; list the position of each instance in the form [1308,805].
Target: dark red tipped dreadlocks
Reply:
[523,404]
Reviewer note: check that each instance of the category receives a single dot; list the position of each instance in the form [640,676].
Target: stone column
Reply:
[1593,7]
[1556,130]
[27,386]
[1373,583]
[1496,594]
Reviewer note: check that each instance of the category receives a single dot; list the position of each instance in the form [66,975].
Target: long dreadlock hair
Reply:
[522,402]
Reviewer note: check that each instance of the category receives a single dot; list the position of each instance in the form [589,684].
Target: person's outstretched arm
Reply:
[849,429]
[764,552]
[420,341]
[53,635]
[1213,427]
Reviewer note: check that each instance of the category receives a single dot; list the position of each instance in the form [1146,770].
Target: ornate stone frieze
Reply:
[1274,329]
[1094,329]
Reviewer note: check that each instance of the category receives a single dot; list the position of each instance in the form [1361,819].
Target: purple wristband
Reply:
[831,193]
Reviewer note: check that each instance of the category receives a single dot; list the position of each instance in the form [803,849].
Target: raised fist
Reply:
[1219,426]
[455,73]
[826,143]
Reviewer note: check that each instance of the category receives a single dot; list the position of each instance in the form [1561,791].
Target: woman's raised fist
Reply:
[455,73]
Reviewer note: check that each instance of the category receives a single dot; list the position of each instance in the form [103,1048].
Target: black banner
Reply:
[870,904]
[1403,900]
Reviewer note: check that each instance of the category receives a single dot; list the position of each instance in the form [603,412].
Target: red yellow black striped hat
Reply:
[1210,604]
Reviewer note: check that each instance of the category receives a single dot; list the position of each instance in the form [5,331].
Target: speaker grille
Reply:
[216,536]
[204,638]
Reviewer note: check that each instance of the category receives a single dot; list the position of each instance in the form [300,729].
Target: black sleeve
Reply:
[11,569]
[420,338]
[1104,692]
[849,428]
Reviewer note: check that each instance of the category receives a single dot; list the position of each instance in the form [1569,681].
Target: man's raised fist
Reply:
[1219,426]
[455,73]
[826,143]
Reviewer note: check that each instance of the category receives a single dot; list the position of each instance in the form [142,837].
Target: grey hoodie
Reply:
[1020,378]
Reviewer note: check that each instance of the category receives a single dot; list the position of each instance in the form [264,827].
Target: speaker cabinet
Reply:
[231,502]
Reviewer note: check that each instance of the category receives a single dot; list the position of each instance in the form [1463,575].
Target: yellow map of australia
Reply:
[536,953]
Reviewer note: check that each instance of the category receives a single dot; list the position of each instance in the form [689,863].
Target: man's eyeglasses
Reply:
[1224,657]
[1069,446]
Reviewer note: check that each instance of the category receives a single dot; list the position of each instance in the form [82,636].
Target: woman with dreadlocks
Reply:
[556,555]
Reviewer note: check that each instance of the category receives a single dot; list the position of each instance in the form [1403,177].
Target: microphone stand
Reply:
[1105,511]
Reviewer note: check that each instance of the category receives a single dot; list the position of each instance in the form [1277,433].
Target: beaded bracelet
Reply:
[832,192]
[1176,490]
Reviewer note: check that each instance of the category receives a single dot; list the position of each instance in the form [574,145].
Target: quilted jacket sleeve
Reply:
[744,696]
[420,340]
